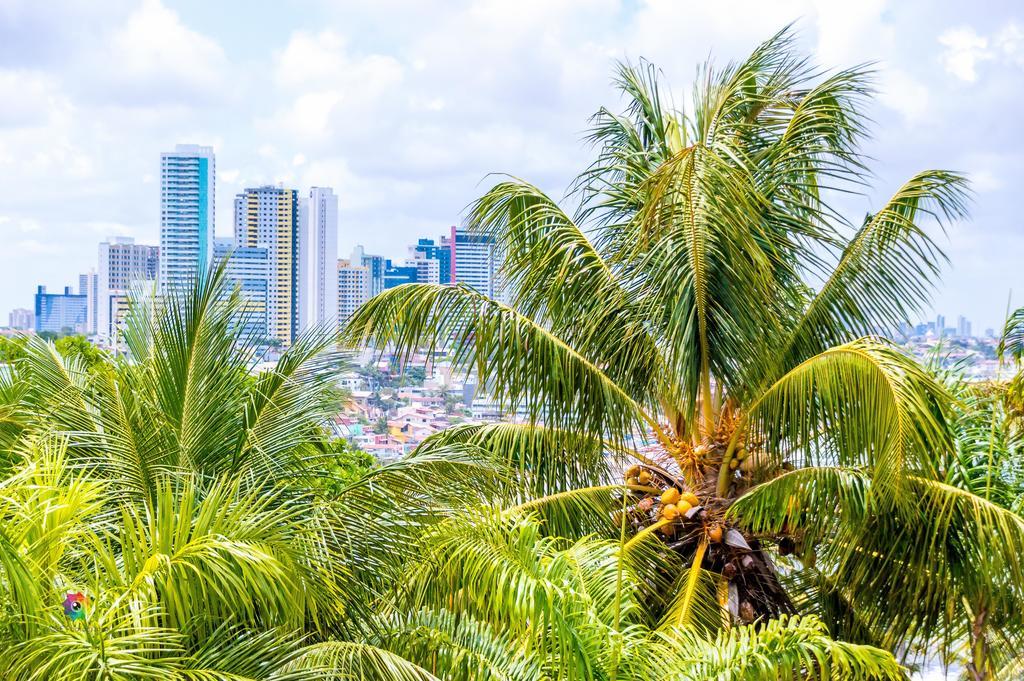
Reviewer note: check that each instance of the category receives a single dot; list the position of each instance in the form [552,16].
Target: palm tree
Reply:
[706,312]
[168,514]
[182,502]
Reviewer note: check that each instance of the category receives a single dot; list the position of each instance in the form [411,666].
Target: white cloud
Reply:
[30,98]
[310,58]
[984,180]
[405,107]
[23,225]
[846,28]
[965,49]
[36,247]
[153,59]
[317,78]
[1010,42]
[899,91]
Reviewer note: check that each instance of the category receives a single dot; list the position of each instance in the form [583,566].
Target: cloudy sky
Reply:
[405,107]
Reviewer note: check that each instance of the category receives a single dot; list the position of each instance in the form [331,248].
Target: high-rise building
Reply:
[397,274]
[940,325]
[187,214]
[353,288]
[428,249]
[123,265]
[318,259]
[88,284]
[963,327]
[248,271]
[375,264]
[476,262]
[21,319]
[415,270]
[268,217]
[60,313]
[428,270]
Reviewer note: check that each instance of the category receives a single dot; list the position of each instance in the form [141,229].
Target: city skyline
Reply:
[406,124]
[282,257]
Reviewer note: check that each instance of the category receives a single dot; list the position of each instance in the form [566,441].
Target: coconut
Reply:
[786,546]
[734,463]
[683,507]
[632,481]
[644,477]
[633,471]
[667,529]
[669,511]
[741,453]
[691,498]
[715,533]
[670,496]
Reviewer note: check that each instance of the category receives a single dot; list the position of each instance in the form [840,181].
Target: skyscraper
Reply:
[60,313]
[88,285]
[21,319]
[441,252]
[475,262]
[268,217]
[963,327]
[123,264]
[248,269]
[187,214]
[396,274]
[318,259]
[374,264]
[353,288]
[940,325]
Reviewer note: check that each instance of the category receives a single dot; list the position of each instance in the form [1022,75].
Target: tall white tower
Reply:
[187,209]
[318,259]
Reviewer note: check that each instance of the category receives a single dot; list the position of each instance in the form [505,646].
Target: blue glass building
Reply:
[61,313]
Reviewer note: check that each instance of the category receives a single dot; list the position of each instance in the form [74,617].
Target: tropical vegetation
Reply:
[699,308]
[726,472]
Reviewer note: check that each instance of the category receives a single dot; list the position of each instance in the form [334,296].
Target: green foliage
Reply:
[77,346]
[12,348]
[704,301]
[414,375]
[342,465]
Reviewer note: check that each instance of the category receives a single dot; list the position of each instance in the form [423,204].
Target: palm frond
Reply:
[911,569]
[520,362]
[862,403]
[885,272]
[795,647]
[548,460]
[460,648]
[560,279]
[1012,341]
[283,405]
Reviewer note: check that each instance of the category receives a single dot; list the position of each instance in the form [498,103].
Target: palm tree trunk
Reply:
[978,667]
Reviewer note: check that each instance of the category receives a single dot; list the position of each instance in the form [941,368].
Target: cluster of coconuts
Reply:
[742,460]
[674,504]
